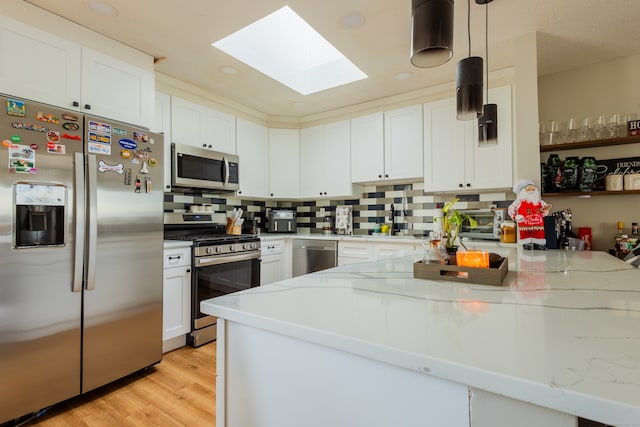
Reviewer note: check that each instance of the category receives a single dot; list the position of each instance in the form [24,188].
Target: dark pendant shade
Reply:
[431,32]
[469,88]
[488,125]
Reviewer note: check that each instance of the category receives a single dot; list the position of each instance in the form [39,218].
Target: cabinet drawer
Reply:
[271,247]
[355,250]
[179,257]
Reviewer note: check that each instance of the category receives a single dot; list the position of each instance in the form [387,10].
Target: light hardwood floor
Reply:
[180,391]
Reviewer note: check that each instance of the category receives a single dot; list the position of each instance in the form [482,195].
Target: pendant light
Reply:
[469,81]
[488,122]
[431,32]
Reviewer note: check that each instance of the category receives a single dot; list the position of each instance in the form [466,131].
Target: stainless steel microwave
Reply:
[193,167]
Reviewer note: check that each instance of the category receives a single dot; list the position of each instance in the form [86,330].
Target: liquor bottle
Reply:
[618,237]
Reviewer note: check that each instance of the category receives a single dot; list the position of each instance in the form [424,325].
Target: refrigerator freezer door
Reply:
[123,293]
[40,314]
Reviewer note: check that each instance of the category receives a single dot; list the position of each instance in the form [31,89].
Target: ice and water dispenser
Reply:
[39,215]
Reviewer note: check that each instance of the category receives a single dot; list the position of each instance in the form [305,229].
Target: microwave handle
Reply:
[226,171]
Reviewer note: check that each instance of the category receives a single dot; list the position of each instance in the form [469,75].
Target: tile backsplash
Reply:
[414,210]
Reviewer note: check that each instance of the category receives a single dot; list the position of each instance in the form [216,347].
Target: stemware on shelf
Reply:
[568,131]
[584,130]
[598,126]
[612,124]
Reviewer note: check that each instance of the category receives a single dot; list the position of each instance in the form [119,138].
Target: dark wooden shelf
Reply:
[590,144]
[589,193]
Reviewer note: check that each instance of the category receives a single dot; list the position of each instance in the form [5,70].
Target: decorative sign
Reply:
[622,166]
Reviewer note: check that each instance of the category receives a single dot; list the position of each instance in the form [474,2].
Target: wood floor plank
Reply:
[179,391]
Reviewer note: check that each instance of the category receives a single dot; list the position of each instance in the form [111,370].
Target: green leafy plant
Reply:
[452,221]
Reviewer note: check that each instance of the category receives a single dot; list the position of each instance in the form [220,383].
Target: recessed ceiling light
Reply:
[403,75]
[352,20]
[229,70]
[102,8]
[287,49]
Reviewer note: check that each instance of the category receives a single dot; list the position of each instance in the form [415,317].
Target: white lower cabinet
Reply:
[176,298]
[352,252]
[272,267]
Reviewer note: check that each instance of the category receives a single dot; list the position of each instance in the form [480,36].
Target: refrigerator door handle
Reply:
[80,223]
[92,176]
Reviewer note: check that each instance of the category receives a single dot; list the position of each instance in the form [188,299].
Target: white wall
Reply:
[607,87]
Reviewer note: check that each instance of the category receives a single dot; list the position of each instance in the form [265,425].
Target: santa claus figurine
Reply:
[528,211]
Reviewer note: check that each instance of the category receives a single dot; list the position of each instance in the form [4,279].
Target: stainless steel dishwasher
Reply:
[311,255]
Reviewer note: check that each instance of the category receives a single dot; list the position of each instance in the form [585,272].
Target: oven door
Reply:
[220,275]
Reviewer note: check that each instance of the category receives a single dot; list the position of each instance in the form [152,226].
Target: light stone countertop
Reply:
[173,244]
[562,332]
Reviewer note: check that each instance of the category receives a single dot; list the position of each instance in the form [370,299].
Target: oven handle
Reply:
[225,259]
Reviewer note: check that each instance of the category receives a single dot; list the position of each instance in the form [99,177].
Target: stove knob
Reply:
[254,246]
[232,248]
[209,250]
[218,248]
[246,246]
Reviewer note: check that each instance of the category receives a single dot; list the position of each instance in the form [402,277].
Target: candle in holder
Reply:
[475,259]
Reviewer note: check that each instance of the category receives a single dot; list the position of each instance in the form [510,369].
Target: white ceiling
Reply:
[572,33]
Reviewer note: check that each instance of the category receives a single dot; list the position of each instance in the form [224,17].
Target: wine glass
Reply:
[542,132]
[612,124]
[598,126]
[552,131]
[583,130]
[567,131]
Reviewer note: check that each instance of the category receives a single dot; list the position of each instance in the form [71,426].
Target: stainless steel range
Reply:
[221,263]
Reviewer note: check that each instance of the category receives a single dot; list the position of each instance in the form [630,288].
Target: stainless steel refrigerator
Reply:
[80,253]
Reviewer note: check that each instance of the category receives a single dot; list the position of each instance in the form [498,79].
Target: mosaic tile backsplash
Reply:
[414,210]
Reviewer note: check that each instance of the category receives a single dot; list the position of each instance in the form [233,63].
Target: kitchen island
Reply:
[367,344]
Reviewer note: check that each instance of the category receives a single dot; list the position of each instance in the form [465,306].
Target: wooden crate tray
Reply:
[455,273]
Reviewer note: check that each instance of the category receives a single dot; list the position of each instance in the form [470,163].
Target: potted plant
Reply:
[452,221]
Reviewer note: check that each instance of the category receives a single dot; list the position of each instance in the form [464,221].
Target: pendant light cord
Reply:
[469,24]
[486,43]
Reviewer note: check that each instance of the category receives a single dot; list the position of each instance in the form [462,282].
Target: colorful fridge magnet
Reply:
[7,143]
[144,169]
[127,176]
[75,137]
[22,159]
[53,136]
[128,144]
[98,127]
[138,184]
[16,108]
[70,117]
[49,118]
[153,162]
[105,167]
[56,149]
[16,138]
[28,126]
[71,126]
[140,137]
[118,131]
[33,146]
[147,184]
[126,154]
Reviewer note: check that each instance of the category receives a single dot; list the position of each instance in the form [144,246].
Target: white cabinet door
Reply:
[284,163]
[220,131]
[162,124]
[353,252]
[176,312]
[367,148]
[312,161]
[176,297]
[188,123]
[271,269]
[381,250]
[444,147]
[454,159]
[117,90]
[337,161]
[493,163]
[403,138]
[325,160]
[37,65]
[253,150]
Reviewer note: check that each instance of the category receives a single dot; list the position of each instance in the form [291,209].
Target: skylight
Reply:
[287,49]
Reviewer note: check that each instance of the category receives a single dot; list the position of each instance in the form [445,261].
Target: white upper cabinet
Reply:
[367,148]
[162,124]
[454,160]
[253,150]
[284,163]
[42,67]
[325,161]
[403,141]
[199,126]
[117,90]
[387,146]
